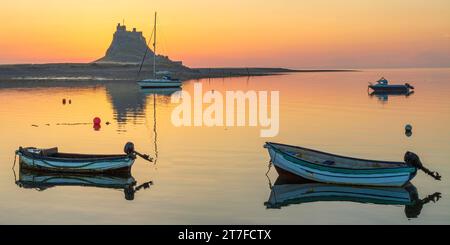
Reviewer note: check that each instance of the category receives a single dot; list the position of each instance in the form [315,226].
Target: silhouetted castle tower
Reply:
[127,46]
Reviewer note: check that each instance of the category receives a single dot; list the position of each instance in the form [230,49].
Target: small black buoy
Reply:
[70,102]
[107,123]
[64,101]
[408,134]
[408,130]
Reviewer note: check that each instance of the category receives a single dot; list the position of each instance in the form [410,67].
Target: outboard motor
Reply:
[129,148]
[130,151]
[413,210]
[409,86]
[413,160]
[129,193]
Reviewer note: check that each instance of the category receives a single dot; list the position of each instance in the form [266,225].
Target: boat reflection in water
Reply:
[160,91]
[383,97]
[42,181]
[164,94]
[287,192]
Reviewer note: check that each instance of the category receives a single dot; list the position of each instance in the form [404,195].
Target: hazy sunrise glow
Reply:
[201,33]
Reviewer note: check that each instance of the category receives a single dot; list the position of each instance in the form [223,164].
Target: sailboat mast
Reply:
[154,49]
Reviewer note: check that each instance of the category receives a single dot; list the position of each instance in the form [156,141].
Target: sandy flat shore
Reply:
[97,71]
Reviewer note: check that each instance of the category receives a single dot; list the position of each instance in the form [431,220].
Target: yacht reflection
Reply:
[286,192]
[160,91]
[164,97]
[42,181]
[127,100]
[383,97]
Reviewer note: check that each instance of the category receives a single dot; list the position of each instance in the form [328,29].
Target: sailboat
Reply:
[164,82]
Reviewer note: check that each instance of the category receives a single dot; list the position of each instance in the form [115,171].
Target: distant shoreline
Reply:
[129,71]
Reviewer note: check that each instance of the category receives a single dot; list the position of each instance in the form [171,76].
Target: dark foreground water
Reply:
[218,175]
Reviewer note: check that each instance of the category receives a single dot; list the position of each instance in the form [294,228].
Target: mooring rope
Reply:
[14,166]
[155,132]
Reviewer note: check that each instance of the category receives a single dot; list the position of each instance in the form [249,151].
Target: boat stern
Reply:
[270,149]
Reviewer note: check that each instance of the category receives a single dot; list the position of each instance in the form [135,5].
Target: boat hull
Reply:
[390,88]
[374,177]
[159,83]
[111,165]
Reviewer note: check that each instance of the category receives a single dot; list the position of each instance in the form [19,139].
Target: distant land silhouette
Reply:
[121,62]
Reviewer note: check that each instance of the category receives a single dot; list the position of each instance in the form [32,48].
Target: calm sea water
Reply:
[218,175]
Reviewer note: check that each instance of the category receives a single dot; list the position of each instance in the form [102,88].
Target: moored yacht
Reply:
[164,82]
[155,82]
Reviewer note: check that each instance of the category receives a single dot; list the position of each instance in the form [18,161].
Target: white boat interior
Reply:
[327,159]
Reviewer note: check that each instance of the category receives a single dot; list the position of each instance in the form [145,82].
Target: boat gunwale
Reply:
[388,86]
[273,145]
[60,170]
[395,87]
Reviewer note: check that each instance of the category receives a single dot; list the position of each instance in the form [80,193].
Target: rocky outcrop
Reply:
[127,46]
[130,47]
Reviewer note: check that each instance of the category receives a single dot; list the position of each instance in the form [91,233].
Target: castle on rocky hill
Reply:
[129,47]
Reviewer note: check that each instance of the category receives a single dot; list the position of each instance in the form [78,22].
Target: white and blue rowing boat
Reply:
[329,168]
[54,161]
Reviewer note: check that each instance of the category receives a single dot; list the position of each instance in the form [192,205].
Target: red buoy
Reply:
[97,121]
[97,127]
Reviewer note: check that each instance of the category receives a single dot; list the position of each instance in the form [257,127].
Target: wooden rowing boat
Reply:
[330,168]
[55,161]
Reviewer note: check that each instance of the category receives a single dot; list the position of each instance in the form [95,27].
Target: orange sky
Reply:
[289,33]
